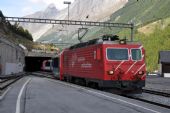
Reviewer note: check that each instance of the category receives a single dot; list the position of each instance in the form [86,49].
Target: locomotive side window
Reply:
[136,54]
[117,54]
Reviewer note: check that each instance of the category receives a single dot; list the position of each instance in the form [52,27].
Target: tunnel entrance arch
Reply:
[33,64]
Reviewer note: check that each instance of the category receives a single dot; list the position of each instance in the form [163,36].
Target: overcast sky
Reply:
[25,7]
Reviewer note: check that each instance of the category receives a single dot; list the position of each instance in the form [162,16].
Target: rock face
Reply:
[85,10]
[96,10]
[39,29]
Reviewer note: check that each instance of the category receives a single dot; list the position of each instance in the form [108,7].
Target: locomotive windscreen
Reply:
[117,54]
[136,54]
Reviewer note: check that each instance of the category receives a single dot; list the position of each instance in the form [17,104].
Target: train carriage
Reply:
[55,67]
[47,65]
[107,62]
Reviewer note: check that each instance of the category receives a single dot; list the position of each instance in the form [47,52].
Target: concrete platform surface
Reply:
[42,95]
[158,83]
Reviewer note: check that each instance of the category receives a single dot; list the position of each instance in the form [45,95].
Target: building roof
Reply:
[164,57]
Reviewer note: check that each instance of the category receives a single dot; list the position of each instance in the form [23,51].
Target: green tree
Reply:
[1,16]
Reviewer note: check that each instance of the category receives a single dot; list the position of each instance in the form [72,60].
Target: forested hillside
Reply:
[153,43]
[18,35]
[15,28]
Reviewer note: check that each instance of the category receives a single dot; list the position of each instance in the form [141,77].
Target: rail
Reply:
[7,81]
[156,93]
[138,97]
[147,101]
[43,74]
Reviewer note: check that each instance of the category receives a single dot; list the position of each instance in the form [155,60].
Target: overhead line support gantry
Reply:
[70,22]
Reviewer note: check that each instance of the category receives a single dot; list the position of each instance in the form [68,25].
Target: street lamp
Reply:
[68,3]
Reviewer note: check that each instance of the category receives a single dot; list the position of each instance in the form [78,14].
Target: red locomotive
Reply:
[106,62]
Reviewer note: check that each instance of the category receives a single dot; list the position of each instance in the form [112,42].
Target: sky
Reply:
[25,7]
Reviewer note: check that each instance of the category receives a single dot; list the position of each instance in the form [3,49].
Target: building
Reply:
[164,62]
[12,57]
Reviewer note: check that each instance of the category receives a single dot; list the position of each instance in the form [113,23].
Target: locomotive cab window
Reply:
[136,54]
[117,54]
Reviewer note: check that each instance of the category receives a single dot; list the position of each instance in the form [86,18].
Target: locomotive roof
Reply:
[106,39]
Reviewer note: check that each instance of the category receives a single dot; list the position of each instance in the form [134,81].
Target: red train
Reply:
[47,65]
[107,62]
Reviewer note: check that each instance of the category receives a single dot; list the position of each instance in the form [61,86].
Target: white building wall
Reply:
[167,75]
[11,58]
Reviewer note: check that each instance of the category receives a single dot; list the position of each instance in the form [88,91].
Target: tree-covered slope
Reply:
[153,43]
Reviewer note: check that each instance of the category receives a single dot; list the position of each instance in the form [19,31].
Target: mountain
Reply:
[38,29]
[95,10]
[141,13]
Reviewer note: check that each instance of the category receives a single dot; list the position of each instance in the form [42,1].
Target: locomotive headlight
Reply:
[140,72]
[111,72]
[122,41]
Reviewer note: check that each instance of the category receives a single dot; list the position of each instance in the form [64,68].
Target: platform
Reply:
[158,83]
[42,95]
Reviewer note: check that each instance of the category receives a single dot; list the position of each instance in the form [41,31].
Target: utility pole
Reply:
[68,3]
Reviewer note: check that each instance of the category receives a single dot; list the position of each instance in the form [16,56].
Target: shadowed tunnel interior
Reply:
[34,63]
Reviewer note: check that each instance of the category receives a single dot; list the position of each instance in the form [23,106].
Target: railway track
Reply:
[7,81]
[43,74]
[152,97]
[156,92]
[147,101]
[148,96]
